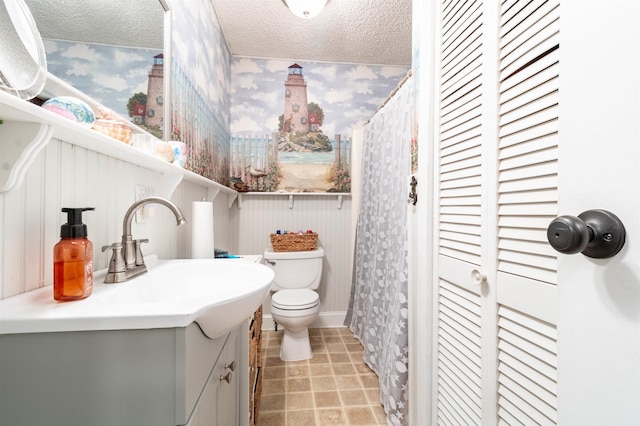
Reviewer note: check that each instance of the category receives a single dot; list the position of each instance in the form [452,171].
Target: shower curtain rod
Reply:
[393,92]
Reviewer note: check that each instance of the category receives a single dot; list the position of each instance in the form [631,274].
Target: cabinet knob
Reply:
[595,233]
[477,277]
[227,377]
[231,366]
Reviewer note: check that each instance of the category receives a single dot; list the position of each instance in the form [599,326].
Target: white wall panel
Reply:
[69,176]
[261,215]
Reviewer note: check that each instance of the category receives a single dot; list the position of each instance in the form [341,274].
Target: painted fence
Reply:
[257,165]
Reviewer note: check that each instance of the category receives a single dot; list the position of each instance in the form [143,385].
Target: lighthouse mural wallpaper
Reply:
[292,121]
[252,124]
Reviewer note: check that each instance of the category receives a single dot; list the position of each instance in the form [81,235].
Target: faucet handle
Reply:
[139,256]
[116,264]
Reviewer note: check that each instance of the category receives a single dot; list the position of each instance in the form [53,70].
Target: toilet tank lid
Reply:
[309,254]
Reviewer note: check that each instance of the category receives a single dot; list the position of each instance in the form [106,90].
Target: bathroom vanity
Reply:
[169,347]
[170,376]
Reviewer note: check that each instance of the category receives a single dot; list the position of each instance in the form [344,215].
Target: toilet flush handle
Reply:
[270,262]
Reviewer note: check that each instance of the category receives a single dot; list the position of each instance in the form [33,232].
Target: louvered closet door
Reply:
[496,343]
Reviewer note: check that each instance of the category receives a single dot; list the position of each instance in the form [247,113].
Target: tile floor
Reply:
[335,387]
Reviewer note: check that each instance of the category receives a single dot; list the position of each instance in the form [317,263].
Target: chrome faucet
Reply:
[127,260]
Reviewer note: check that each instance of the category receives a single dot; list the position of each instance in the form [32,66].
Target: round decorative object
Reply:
[165,151]
[23,69]
[115,129]
[72,108]
[180,151]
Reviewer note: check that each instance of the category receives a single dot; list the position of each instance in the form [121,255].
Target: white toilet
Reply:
[294,303]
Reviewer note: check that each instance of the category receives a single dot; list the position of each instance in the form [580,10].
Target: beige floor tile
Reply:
[301,418]
[360,416]
[354,347]
[343,369]
[314,340]
[339,357]
[349,339]
[299,370]
[373,395]
[323,383]
[300,384]
[330,331]
[299,401]
[320,370]
[331,417]
[317,348]
[327,399]
[274,373]
[369,380]
[379,414]
[274,402]
[353,397]
[273,361]
[272,351]
[315,332]
[273,386]
[348,382]
[362,368]
[319,358]
[333,339]
[336,347]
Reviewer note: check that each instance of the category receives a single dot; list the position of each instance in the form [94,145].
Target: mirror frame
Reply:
[166,70]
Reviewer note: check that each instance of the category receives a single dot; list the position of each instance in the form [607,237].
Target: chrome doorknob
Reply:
[595,233]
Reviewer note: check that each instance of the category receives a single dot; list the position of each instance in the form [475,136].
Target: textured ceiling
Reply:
[136,23]
[374,32]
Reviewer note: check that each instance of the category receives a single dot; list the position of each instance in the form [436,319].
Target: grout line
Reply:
[270,340]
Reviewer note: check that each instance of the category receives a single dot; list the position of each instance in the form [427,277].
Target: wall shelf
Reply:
[26,130]
[340,196]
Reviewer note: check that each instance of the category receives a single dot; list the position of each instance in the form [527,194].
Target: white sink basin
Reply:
[216,294]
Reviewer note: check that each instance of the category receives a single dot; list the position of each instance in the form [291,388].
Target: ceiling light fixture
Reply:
[305,9]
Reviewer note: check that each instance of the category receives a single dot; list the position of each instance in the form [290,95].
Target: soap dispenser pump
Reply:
[73,259]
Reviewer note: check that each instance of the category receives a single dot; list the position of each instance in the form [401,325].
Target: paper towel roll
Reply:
[202,230]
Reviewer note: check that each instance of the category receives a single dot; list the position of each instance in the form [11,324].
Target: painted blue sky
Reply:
[348,93]
[206,64]
[109,74]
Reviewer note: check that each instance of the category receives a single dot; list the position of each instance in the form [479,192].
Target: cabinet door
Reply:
[228,389]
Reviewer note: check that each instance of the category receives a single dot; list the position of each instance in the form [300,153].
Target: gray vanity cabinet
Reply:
[149,377]
[219,403]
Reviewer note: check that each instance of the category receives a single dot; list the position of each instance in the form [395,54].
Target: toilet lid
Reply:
[295,299]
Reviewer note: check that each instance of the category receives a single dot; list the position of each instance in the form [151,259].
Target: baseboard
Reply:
[325,320]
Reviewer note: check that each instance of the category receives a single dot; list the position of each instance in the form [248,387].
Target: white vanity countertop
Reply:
[136,304]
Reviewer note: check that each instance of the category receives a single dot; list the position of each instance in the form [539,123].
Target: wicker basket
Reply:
[294,242]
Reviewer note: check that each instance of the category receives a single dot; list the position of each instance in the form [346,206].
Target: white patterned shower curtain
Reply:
[378,309]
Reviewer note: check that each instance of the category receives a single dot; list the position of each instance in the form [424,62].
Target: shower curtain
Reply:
[378,309]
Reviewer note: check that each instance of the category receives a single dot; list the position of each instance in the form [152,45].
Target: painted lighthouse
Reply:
[296,115]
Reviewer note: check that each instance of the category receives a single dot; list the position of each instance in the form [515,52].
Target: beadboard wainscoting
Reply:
[329,215]
[65,175]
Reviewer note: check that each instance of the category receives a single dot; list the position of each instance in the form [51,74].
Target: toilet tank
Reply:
[295,269]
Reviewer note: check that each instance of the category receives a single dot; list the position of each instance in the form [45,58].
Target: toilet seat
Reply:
[295,299]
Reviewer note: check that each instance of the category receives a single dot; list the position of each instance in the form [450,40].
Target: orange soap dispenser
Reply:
[73,259]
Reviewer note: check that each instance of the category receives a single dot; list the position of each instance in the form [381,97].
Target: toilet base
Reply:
[295,345]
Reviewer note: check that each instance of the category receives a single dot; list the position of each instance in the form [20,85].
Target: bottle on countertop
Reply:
[73,259]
